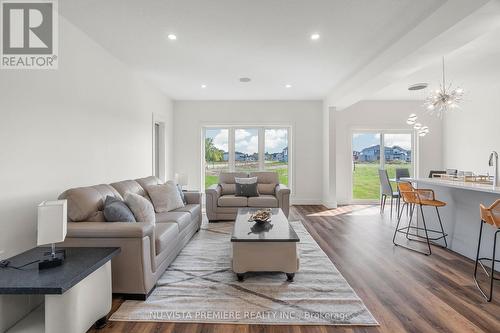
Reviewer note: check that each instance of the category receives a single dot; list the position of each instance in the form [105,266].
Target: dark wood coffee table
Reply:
[264,247]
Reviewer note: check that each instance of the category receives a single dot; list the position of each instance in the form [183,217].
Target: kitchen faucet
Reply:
[494,163]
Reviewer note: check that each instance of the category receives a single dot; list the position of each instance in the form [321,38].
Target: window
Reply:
[216,154]
[367,149]
[246,149]
[276,152]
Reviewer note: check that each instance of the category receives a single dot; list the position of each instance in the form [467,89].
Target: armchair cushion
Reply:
[264,201]
[232,201]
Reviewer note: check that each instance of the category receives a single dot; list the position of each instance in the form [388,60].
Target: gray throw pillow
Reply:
[183,197]
[247,190]
[116,210]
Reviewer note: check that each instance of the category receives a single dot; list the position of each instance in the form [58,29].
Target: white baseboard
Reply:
[330,204]
[305,201]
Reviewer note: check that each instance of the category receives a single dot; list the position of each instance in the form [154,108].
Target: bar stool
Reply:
[490,215]
[421,197]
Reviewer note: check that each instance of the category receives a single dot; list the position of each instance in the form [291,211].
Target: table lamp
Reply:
[181,179]
[52,222]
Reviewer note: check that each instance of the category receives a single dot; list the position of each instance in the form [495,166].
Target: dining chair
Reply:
[387,190]
[402,173]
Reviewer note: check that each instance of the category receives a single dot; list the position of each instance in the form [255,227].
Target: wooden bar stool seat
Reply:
[489,215]
[421,197]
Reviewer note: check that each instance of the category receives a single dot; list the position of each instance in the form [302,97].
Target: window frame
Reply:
[261,146]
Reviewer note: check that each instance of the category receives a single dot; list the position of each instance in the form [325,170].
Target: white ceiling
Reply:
[474,67]
[220,41]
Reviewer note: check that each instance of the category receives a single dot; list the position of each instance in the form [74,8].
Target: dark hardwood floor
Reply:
[405,291]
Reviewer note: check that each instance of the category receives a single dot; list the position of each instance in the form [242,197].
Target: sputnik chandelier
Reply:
[444,99]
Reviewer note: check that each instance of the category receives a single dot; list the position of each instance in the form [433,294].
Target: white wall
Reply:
[473,131]
[305,117]
[388,115]
[88,122]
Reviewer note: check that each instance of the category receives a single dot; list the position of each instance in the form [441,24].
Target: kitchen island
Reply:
[461,215]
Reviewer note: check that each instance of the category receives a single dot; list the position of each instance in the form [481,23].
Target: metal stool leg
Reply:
[493,266]
[425,229]
[397,225]
[442,229]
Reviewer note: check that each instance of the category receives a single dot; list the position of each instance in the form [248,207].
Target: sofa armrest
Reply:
[109,229]
[212,195]
[283,196]
[193,197]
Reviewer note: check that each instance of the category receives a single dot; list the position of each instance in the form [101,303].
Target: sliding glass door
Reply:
[245,149]
[374,150]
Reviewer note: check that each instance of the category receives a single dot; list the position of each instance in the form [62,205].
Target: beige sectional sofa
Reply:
[146,249]
[223,204]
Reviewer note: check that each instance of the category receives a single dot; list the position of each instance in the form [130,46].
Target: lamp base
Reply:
[53,260]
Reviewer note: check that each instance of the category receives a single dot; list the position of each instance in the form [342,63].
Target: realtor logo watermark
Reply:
[29,38]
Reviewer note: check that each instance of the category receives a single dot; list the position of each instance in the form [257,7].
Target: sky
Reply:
[364,140]
[247,140]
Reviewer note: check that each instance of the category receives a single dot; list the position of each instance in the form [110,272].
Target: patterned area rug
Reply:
[199,287]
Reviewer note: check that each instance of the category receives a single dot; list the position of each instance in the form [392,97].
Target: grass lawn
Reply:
[366,182]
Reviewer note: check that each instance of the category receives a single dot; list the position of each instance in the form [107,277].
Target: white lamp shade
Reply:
[181,179]
[52,222]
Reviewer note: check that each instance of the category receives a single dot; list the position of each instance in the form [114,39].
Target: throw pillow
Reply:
[266,188]
[228,188]
[141,207]
[116,210]
[246,190]
[183,197]
[250,180]
[165,197]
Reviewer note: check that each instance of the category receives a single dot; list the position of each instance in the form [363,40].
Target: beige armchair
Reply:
[223,204]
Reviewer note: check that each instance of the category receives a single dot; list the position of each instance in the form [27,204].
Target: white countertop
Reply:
[456,184]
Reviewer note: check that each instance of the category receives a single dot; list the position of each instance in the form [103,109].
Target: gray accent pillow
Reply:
[247,190]
[116,210]
[183,197]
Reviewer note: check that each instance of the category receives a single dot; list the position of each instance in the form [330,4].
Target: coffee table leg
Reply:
[290,276]
[240,276]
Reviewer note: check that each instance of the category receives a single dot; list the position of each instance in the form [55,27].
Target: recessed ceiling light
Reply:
[245,79]
[172,37]
[203,86]
[288,86]
[315,36]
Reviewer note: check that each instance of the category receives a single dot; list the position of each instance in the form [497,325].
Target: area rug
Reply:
[199,287]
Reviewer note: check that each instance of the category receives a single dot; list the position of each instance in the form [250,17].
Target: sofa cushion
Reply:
[228,188]
[266,177]
[232,201]
[183,219]
[141,207]
[148,181]
[193,209]
[115,210]
[129,186]
[165,197]
[228,177]
[165,236]
[267,201]
[87,203]
[266,188]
